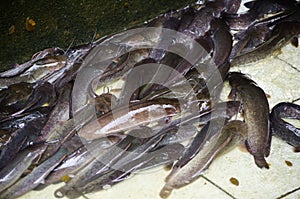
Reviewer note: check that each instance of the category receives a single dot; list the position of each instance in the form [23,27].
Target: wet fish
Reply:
[194,148]
[165,155]
[222,41]
[179,134]
[258,10]
[76,161]
[239,131]
[250,39]
[149,144]
[19,138]
[235,127]
[41,69]
[49,52]
[141,143]
[15,97]
[104,103]
[140,147]
[280,36]
[126,62]
[282,129]
[204,23]
[75,56]
[167,21]
[211,143]
[66,130]
[202,19]
[58,137]
[60,112]
[142,76]
[139,113]
[223,109]
[16,167]
[44,95]
[101,75]
[190,168]
[219,115]
[232,6]
[99,165]
[77,53]
[161,76]
[255,108]
[35,177]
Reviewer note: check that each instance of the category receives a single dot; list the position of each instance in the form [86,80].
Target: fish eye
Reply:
[167,120]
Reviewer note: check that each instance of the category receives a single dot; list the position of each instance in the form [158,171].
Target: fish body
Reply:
[15,97]
[281,34]
[50,52]
[282,129]
[222,41]
[204,148]
[16,167]
[76,161]
[97,166]
[35,177]
[250,39]
[120,119]
[39,70]
[21,138]
[257,11]
[59,113]
[165,155]
[255,109]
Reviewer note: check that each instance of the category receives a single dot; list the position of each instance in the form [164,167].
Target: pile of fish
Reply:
[63,120]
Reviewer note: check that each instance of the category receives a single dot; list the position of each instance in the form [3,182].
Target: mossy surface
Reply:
[67,23]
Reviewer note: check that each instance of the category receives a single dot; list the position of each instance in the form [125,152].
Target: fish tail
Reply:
[297,149]
[261,162]
[259,159]
[166,191]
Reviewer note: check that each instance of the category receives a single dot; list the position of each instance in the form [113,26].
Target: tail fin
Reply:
[261,162]
[166,191]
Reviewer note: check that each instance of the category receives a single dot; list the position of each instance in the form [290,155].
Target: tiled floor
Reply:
[280,80]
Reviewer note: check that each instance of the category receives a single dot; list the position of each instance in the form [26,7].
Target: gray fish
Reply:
[59,113]
[139,114]
[20,138]
[178,135]
[36,57]
[78,160]
[250,39]
[281,34]
[165,155]
[282,129]
[222,41]
[40,69]
[67,129]
[35,177]
[16,167]
[189,170]
[255,108]
[99,164]
[57,137]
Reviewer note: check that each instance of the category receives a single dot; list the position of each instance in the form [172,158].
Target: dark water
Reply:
[68,22]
